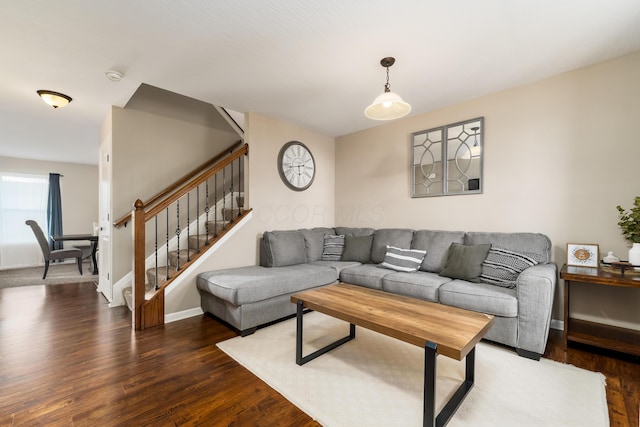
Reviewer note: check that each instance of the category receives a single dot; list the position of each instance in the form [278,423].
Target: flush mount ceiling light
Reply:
[388,105]
[55,99]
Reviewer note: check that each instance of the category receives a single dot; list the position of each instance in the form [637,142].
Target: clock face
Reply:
[296,166]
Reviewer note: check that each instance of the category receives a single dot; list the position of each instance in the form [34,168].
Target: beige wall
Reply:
[149,152]
[560,154]
[78,187]
[275,206]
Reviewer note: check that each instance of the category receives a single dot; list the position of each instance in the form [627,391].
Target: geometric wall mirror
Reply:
[447,160]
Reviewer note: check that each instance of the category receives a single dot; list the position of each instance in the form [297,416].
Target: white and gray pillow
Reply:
[406,260]
[502,267]
[333,247]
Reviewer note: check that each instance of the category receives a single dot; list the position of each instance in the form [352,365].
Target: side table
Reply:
[592,333]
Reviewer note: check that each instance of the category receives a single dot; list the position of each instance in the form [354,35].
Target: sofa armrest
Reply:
[535,289]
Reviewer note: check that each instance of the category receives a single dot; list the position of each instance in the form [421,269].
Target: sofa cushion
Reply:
[436,243]
[481,297]
[314,241]
[357,248]
[338,266]
[465,262]
[407,260]
[502,267]
[333,247]
[534,244]
[282,248]
[398,237]
[361,231]
[421,285]
[250,284]
[367,275]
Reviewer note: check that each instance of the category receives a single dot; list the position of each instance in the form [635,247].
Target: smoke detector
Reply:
[113,75]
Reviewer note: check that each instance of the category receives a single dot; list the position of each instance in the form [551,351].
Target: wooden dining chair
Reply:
[50,255]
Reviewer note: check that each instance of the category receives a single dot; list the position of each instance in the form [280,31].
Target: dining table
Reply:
[82,237]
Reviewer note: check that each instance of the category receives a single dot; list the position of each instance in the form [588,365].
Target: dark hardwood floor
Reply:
[66,359]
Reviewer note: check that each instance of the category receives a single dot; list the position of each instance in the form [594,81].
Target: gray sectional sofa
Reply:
[516,281]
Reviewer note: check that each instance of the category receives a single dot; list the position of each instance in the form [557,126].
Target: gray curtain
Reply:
[54,210]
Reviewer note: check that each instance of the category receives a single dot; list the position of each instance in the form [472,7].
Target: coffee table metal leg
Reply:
[430,354]
[301,360]
[430,387]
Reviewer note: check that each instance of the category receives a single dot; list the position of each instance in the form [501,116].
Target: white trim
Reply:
[230,120]
[557,324]
[184,314]
[116,290]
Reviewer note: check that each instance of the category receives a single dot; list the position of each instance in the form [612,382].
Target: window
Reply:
[22,197]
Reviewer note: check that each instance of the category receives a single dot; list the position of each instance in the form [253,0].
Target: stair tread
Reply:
[127,293]
[197,241]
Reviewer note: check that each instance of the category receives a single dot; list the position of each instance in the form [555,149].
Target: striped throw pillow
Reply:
[407,260]
[502,267]
[333,247]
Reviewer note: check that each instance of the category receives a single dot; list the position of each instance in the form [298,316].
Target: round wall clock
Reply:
[296,166]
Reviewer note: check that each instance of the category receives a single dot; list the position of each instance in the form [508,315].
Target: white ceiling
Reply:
[313,63]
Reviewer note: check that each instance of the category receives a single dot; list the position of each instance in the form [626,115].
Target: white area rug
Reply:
[378,381]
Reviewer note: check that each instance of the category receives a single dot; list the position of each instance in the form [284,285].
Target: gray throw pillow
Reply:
[282,248]
[465,262]
[314,242]
[357,248]
[333,247]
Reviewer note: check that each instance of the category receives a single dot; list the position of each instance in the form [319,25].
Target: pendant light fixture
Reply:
[55,99]
[388,105]
[475,148]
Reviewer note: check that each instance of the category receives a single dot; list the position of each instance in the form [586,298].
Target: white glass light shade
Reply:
[55,99]
[387,106]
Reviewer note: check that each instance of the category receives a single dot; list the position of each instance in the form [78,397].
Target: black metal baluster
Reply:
[166,273]
[156,249]
[198,219]
[188,227]
[240,188]
[206,209]
[215,205]
[231,192]
[178,234]
[224,198]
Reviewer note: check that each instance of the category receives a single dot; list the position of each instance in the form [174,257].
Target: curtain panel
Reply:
[54,211]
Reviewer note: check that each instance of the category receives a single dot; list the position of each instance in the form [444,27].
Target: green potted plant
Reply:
[630,225]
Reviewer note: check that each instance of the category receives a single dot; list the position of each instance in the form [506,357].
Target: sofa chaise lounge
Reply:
[508,275]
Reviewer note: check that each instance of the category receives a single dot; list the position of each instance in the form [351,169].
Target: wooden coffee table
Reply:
[439,329]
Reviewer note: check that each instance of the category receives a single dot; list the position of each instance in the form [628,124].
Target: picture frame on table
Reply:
[583,254]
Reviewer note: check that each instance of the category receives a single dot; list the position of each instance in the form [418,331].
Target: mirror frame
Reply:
[456,138]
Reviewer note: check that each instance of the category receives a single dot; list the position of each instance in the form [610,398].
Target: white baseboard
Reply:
[185,314]
[557,324]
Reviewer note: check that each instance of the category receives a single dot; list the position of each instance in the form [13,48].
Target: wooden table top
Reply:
[600,276]
[454,330]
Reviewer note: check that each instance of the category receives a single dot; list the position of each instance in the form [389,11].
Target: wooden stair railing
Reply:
[148,307]
[124,219]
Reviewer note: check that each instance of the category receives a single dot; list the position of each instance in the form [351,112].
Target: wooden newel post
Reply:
[138,230]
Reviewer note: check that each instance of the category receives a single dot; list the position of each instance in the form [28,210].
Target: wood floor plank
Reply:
[67,359]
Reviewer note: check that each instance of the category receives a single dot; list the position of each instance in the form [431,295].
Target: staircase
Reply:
[157,276]
[177,226]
